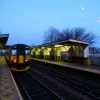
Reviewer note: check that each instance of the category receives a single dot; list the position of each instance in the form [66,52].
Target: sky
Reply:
[27,20]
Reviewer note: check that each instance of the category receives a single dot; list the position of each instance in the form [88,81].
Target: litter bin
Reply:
[87,61]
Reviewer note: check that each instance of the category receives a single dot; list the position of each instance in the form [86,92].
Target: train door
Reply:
[21,55]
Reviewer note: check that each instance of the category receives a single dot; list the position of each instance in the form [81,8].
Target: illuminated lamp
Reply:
[26,60]
[58,45]
[15,61]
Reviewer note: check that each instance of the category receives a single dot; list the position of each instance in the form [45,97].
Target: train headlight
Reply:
[15,61]
[26,60]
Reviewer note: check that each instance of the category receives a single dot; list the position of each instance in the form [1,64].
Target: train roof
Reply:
[20,46]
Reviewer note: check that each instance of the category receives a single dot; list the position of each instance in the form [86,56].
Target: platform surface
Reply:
[8,87]
[88,68]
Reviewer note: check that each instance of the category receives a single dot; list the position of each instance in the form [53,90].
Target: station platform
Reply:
[88,68]
[8,87]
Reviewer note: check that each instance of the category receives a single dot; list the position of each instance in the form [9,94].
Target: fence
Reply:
[95,59]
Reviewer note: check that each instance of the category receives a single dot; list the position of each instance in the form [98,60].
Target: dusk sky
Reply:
[27,20]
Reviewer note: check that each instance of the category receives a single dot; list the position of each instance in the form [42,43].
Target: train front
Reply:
[20,57]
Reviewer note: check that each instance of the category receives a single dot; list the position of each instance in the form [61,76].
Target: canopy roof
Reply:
[65,42]
[3,39]
[15,46]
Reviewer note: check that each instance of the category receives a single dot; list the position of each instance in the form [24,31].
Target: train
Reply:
[19,57]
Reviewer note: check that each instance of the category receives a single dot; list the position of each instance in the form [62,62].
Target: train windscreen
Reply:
[14,52]
[27,52]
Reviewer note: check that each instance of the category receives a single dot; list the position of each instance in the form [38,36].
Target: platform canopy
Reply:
[3,39]
[65,42]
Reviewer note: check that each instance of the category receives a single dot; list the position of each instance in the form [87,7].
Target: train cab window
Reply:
[14,52]
[27,52]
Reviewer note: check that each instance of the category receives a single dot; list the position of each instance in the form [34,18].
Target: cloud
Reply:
[98,20]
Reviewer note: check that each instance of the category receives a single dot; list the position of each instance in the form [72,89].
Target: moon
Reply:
[82,8]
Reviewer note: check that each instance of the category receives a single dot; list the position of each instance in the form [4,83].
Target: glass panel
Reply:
[14,52]
[27,52]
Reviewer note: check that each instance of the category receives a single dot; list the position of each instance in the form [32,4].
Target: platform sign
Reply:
[65,56]
[64,53]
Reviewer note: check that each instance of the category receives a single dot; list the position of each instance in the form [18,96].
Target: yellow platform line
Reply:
[19,70]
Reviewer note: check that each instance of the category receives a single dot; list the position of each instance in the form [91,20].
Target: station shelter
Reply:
[68,50]
[3,41]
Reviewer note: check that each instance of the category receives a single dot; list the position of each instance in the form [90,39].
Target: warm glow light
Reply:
[26,60]
[42,47]
[58,45]
[15,61]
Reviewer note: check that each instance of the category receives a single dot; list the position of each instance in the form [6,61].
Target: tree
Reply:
[78,34]
[51,35]
[54,35]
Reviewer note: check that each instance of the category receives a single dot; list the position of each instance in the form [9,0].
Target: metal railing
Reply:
[95,59]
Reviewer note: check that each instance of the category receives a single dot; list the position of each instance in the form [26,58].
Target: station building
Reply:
[68,50]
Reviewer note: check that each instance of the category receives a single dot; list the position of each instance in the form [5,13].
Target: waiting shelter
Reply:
[3,41]
[67,50]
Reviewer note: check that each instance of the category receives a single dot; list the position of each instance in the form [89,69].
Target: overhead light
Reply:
[58,45]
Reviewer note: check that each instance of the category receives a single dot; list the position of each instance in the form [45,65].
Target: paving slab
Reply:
[8,87]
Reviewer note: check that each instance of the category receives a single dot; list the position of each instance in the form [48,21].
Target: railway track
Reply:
[83,86]
[31,89]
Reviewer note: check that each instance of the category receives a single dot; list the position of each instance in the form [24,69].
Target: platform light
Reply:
[42,47]
[58,45]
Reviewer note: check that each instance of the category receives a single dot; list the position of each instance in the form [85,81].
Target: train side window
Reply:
[14,52]
[27,52]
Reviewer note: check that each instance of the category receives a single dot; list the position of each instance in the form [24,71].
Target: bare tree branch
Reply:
[54,35]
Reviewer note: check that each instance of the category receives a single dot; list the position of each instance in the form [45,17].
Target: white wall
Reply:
[86,52]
